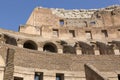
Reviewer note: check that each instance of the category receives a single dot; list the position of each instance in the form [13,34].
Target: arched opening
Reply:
[86,48]
[30,45]
[68,49]
[104,48]
[50,47]
[10,40]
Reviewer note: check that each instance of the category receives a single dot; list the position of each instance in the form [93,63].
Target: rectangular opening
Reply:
[55,33]
[105,33]
[88,34]
[118,76]
[72,33]
[61,22]
[118,29]
[59,76]
[18,78]
[38,76]
[93,23]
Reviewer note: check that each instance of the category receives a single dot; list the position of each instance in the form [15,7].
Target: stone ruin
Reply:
[59,44]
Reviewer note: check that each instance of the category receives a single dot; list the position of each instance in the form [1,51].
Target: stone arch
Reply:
[86,48]
[30,45]
[104,48]
[50,47]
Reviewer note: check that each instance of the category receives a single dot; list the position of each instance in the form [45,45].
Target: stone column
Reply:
[60,51]
[97,52]
[1,73]
[40,49]
[78,51]
[20,43]
[116,51]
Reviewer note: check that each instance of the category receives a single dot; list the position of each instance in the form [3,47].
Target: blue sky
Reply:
[16,12]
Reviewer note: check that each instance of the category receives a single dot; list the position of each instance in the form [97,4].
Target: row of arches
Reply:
[48,47]
[84,47]
[66,48]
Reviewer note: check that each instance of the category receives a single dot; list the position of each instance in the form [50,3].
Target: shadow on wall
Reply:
[105,49]
[10,40]
[86,48]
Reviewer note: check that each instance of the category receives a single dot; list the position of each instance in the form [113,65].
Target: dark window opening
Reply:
[18,78]
[50,47]
[118,29]
[55,33]
[30,45]
[93,23]
[38,76]
[72,33]
[59,76]
[118,76]
[113,13]
[88,35]
[61,22]
[98,16]
[105,33]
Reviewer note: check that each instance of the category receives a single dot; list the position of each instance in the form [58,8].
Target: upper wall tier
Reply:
[76,18]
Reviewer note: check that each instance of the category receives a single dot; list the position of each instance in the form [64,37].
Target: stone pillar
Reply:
[40,49]
[49,76]
[60,51]
[1,73]
[97,52]
[116,51]
[20,43]
[78,51]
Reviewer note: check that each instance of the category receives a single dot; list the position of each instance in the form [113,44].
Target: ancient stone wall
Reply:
[93,74]
[9,68]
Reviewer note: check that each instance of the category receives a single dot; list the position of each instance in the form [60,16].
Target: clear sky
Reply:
[16,12]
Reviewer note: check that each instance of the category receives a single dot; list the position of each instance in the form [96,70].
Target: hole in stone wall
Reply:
[10,40]
[18,78]
[50,47]
[93,23]
[113,13]
[38,76]
[61,22]
[55,33]
[69,49]
[86,48]
[59,76]
[105,49]
[88,35]
[30,45]
[72,33]
[105,33]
